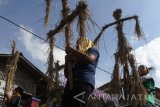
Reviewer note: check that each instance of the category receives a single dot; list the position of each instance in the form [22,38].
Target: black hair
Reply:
[148,68]
[19,90]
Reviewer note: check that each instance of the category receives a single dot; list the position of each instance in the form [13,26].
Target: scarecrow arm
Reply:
[111,24]
[84,58]
[65,21]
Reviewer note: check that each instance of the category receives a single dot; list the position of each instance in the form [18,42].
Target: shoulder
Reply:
[93,49]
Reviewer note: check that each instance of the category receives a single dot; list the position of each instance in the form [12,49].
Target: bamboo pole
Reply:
[65,13]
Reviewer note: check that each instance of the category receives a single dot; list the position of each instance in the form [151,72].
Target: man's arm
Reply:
[82,57]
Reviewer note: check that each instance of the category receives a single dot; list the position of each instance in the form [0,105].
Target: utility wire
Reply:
[28,31]
[41,38]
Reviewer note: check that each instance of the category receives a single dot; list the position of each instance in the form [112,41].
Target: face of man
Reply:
[143,70]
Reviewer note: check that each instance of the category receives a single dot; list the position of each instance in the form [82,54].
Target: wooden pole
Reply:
[65,13]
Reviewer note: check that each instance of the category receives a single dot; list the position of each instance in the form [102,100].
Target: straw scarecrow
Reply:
[11,69]
[65,22]
[124,58]
[81,12]
[50,72]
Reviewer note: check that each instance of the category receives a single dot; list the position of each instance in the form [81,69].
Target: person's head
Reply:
[18,90]
[143,70]
[83,44]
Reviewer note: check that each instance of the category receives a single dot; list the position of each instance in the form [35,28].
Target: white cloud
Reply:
[149,55]
[37,48]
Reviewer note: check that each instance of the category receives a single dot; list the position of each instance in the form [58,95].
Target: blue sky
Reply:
[30,15]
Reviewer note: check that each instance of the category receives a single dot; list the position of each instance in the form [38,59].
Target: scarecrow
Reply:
[125,59]
[11,69]
[84,53]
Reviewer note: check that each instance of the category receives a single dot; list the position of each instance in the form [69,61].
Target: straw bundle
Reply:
[65,21]
[83,16]
[50,71]
[128,83]
[138,86]
[48,7]
[115,82]
[65,12]
[12,68]
[123,45]
[57,69]
[50,59]
[11,71]
[138,30]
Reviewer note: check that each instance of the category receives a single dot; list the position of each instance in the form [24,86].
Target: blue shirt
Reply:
[85,73]
[15,101]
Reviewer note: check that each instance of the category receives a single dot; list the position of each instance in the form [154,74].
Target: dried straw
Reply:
[138,86]
[11,71]
[65,21]
[138,29]
[57,69]
[108,25]
[115,82]
[13,45]
[117,14]
[12,68]
[123,57]
[65,12]
[126,72]
[50,71]
[48,7]
[50,59]
[83,16]
[123,45]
